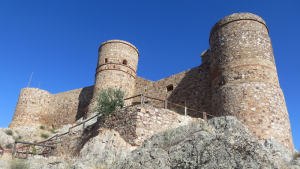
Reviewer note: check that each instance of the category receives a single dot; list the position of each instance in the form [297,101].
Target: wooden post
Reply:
[83,125]
[204,116]
[166,104]
[185,108]
[14,151]
[27,151]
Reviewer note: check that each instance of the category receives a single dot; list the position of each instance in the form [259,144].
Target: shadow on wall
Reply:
[194,89]
[84,98]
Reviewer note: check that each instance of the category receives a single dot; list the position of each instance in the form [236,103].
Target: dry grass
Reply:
[6,157]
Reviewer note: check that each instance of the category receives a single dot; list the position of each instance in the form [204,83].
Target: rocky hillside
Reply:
[222,142]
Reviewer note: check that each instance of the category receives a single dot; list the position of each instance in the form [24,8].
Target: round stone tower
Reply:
[116,68]
[244,77]
[32,104]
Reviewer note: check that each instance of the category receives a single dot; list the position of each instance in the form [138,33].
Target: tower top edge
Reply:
[35,89]
[119,41]
[236,17]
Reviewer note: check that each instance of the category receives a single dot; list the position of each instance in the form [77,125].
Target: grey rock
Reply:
[78,165]
[102,150]
[5,139]
[65,129]
[4,164]
[55,165]
[278,151]
[222,142]
[152,158]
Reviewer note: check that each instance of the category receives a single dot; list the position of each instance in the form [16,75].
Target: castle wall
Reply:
[192,86]
[116,68]
[67,107]
[136,125]
[31,105]
[244,77]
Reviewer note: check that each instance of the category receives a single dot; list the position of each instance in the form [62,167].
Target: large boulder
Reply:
[222,142]
[5,139]
[103,150]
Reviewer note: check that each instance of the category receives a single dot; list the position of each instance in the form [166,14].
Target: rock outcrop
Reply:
[5,139]
[222,142]
[103,150]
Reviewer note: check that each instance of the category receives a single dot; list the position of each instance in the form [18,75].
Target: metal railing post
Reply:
[142,99]
[204,116]
[27,151]
[14,151]
[51,151]
[185,108]
[166,104]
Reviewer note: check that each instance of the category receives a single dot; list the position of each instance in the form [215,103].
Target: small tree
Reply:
[109,100]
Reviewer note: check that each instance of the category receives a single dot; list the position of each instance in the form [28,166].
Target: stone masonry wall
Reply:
[116,68]
[136,124]
[38,107]
[244,77]
[67,107]
[31,105]
[192,86]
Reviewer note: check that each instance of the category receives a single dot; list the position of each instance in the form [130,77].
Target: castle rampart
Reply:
[244,77]
[117,66]
[237,77]
[31,105]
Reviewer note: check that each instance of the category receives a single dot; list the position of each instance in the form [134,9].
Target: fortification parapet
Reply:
[244,77]
[116,68]
[31,106]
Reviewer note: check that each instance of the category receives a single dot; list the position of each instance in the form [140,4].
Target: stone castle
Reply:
[237,77]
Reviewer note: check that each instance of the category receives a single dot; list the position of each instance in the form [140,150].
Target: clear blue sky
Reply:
[58,40]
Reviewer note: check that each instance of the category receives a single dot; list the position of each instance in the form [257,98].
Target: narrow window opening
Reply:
[105,60]
[124,62]
[170,88]
[200,71]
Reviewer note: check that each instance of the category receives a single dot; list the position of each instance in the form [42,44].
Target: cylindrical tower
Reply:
[116,68]
[244,77]
[32,104]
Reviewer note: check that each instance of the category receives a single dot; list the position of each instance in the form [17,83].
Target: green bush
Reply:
[34,150]
[9,146]
[15,138]
[296,155]
[9,132]
[44,135]
[52,131]
[42,127]
[19,164]
[109,100]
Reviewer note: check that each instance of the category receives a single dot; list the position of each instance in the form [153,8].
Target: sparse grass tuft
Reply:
[296,155]
[42,127]
[34,150]
[52,131]
[19,164]
[9,146]
[9,132]
[17,138]
[44,135]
